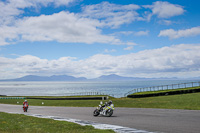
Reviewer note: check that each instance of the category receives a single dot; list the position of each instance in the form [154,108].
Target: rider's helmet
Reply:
[110,102]
[25,100]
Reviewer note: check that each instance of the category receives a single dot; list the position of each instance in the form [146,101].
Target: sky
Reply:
[91,38]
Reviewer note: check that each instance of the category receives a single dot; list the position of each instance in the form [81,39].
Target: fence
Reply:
[87,94]
[68,94]
[164,87]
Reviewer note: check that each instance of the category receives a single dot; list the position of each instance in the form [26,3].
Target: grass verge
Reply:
[17,123]
[184,101]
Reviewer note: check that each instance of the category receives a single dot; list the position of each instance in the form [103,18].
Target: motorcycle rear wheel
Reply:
[25,109]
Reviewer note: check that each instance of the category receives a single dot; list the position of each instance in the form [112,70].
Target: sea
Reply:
[113,88]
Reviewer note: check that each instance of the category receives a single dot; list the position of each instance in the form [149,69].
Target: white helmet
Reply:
[110,102]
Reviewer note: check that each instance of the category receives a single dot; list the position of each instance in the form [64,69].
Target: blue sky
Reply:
[84,38]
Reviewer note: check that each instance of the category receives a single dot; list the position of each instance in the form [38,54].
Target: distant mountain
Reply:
[114,77]
[45,78]
[111,77]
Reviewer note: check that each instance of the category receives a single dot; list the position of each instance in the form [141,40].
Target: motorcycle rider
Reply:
[107,106]
[25,102]
[110,103]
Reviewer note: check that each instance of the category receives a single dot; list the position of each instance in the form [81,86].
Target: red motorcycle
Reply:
[25,107]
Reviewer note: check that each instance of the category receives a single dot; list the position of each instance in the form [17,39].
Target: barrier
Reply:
[70,98]
[12,97]
[87,94]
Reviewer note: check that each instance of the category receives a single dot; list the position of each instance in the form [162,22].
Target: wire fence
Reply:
[164,87]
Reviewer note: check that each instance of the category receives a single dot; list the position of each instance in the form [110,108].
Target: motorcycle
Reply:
[104,110]
[25,107]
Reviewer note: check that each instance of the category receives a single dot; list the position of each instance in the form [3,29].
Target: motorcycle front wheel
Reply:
[96,112]
[109,112]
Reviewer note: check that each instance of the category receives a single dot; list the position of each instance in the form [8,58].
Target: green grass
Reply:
[67,103]
[184,101]
[16,123]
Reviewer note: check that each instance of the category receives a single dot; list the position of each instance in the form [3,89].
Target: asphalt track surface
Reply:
[151,120]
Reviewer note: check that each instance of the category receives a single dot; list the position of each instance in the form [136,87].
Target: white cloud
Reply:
[174,61]
[62,2]
[165,22]
[172,34]
[123,33]
[164,9]
[61,27]
[85,27]
[109,51]
[135,33]
[7,34]
[11,9]
[141,33]
[112,15]
[128,48]
[131,43]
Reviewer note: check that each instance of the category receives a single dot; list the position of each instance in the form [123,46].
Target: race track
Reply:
[151,120]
